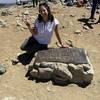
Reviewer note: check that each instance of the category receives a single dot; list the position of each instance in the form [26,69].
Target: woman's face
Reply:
[43,11]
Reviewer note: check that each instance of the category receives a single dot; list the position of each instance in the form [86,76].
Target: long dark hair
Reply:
[50,16]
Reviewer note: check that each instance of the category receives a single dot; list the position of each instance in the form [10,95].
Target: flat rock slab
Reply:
[64,55]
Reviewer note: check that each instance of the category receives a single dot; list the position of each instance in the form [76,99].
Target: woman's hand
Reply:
[32,29]
[63,45]
[26,19]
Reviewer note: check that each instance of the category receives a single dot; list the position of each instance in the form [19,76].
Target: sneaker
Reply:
[91,20]
[14,61]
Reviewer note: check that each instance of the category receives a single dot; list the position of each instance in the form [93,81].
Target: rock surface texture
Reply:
[63,66]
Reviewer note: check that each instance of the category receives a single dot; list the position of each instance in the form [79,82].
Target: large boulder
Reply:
[63,65]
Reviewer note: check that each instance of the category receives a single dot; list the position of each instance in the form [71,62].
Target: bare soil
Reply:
[15,86]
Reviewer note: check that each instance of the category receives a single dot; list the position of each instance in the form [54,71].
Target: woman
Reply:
[42,31]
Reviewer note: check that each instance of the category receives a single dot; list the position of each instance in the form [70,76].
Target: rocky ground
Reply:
[15,86]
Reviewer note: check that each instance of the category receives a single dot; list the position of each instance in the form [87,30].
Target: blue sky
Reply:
[9,1]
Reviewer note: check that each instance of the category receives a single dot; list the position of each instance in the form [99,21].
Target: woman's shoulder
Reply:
[36,21]
[56,21]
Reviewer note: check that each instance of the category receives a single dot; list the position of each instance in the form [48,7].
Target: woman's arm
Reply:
[58,36]
[33,30]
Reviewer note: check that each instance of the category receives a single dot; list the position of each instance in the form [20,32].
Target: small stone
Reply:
[72,15]
[2,69]
[47,65]
[45,73]
[19,24]
[71,23]
[22,29]
[77,32]
[26,12]
[48,89]
[89,8]
[25,28]
[4,13]
[62,71]
[72,66]
[3,23]
[83,16]
[62,14]
[34,73]
[86,27]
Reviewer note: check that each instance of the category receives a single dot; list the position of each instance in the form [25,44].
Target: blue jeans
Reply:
[94,6]
[31,45]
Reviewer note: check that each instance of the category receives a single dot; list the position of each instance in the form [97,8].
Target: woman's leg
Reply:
[33,1]
[37,2]
[31,45]
[94,6]
[26,44]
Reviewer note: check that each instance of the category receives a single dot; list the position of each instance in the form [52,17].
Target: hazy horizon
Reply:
[9,1]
